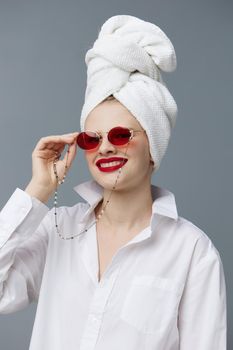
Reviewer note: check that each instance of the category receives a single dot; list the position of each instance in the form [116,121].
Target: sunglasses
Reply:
[118,136]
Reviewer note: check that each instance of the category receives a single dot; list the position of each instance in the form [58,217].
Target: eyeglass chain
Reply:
[60,182]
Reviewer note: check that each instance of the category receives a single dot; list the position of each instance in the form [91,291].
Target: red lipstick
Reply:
[108,160]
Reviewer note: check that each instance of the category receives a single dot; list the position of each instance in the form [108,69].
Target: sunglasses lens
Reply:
[119,136]
[88,140]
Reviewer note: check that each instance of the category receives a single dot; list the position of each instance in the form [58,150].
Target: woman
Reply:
[137,276]
[121,221]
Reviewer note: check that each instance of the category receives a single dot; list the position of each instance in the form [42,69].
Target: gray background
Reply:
[42,85]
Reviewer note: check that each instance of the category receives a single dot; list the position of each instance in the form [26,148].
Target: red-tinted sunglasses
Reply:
[118,136]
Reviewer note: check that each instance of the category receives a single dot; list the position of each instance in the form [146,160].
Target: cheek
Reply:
[140,151]
[90,155]
[89,160]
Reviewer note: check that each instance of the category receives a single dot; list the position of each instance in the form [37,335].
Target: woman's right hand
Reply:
[46,151]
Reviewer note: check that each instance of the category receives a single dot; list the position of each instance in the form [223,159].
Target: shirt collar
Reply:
[163,200]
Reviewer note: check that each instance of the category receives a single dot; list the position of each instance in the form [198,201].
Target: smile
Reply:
[111,166]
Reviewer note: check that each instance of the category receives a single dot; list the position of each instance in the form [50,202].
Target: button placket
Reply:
[97,308]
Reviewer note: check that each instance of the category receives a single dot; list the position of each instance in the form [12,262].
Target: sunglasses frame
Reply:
[132,131]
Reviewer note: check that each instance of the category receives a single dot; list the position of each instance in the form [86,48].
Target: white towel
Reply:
[126,61]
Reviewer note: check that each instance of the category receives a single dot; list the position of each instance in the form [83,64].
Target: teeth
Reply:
[105,165]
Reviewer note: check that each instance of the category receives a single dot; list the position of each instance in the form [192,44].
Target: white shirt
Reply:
[163,290]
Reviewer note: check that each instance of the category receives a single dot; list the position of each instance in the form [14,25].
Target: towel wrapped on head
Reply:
[126,61]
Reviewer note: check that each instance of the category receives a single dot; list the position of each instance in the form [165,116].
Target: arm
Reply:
[24,229]
[202,312]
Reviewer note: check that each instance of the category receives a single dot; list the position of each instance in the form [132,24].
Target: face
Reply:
[138,168]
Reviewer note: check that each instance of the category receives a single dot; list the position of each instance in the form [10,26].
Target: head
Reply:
[120,64]
[106,115]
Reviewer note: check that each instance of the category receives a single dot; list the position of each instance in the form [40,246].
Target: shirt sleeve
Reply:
[24,227]
[202,320]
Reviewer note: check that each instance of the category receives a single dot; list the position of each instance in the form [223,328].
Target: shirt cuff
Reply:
[21,209]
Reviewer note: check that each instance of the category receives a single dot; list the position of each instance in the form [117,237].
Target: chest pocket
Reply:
[151,303]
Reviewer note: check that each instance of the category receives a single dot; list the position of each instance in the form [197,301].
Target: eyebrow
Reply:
[128,127]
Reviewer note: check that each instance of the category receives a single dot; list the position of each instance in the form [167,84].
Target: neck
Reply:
[126,210]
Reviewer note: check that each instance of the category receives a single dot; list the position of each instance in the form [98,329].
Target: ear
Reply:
[151,159]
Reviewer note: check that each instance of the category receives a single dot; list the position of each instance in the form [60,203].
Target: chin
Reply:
[107,180]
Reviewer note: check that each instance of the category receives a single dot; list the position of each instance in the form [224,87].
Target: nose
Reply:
[106,146]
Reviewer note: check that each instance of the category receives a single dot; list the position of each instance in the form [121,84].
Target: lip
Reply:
[112,159]
[112,168]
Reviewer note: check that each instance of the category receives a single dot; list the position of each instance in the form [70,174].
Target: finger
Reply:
[59,151]
[58,154]
[51,145]
[44,154]
[51,141]
[73,150]
[59,147]
[70,154]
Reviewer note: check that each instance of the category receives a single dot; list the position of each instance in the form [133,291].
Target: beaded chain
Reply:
[59,182]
